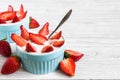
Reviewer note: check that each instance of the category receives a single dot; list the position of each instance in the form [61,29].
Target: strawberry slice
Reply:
[15,19]
[75,55]
[10,8]
[30,48]
[2,21]
[47,48]
[37,38]
[57,35]
[24,33]
[33,23]
[68,66]
[18,40]
[58,43]
[7,15]
[23,15]
[44,30]
[11,65]
[21,10]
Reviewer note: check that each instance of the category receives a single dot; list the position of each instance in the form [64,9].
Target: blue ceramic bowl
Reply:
[41,63]
[7,29]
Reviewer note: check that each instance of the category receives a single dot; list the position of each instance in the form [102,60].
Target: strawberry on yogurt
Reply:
[38,42]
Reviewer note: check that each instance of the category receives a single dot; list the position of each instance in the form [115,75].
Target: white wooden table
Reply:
[93,29]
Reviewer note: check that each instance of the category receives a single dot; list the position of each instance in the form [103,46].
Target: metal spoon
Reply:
[61,22]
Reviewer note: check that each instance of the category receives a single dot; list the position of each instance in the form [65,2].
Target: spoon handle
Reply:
[62,21]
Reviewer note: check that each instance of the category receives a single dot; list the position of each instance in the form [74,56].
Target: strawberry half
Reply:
[33,23]
[18,40]
[44,30]
[10,8]
[73,54]
[11,65]
[37,38]
[30,48]
[68,66]
[24,33]
[47,48]
[58,43]
[57,35]
[5,49]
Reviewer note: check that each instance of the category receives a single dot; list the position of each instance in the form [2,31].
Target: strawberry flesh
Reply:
[23,15]
[58,43]
[11,65]
[75,55]
[7,15]
[18,40]
[24,33]
[30,48]
[68,66]
[10,8]
[5,49]
[38,39]
[15,19]
[47,48]
[44,30]
[57,35]
[33,23]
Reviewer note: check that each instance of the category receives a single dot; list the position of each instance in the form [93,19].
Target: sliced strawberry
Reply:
[10,8]
[44,30]
[68,66]
[24,33]
[21,10]
[38,39]
[75,55]
[23,15]
[7,15]
[47,48]
[18,40]
[2,21]
[11,65]
[58,43]
[57,35]
[33,23]
[15,19]
[30,48]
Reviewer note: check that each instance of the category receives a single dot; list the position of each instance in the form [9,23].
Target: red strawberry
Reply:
[47,48]
[5,49]
[2,21]
[58,43]
[15,19]
[44,30]
[7,15]
[68,66]
[30,48]
[21,10]
[24,33]
[57,35]
[73,54]
[11,65]
[18,40]
[33,23]
[10,8]
[38,39]
[23,15]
